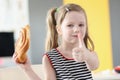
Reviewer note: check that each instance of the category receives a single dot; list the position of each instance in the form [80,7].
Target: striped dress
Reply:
[68,69]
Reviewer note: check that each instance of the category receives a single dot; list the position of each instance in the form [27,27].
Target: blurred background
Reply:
[103,22]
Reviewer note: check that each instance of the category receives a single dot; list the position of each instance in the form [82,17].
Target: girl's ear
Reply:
[58,28]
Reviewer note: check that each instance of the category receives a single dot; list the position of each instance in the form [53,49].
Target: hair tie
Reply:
[67,9]
[57,9]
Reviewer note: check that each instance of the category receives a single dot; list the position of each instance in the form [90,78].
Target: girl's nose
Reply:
[76,29]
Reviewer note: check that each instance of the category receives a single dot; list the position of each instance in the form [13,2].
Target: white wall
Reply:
[13,15]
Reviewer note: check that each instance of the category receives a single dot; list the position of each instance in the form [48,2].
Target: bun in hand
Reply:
[22,45]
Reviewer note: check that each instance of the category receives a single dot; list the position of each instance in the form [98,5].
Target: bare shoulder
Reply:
[48,68]
[46,61]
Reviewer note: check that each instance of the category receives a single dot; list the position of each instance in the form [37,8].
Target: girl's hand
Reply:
[27,68]
[24,66]
[79,53]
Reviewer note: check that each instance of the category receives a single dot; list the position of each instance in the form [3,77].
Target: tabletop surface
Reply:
[107,75]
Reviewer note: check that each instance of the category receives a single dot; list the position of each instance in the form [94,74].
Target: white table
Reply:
[106,75]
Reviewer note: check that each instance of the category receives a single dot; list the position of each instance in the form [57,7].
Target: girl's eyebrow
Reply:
[70,22]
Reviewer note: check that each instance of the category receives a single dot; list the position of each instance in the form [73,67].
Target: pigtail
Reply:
[89,43]
[52,35]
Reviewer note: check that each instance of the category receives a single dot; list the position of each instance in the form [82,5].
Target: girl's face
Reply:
[73,23]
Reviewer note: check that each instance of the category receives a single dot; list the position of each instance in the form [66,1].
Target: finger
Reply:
[14,55]
[77,55]
[80,40]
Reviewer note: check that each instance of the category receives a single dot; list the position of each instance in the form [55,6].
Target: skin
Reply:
[72,30]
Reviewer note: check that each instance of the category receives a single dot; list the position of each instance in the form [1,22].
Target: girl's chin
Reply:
[74,41]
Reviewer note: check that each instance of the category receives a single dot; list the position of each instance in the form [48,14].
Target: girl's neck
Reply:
[64,47]
[66,50]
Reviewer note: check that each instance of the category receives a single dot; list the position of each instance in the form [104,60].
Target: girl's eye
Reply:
[81,25]
[70,25]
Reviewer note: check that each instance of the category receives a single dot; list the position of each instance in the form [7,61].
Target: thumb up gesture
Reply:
[79,53]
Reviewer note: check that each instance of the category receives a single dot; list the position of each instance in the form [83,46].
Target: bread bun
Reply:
[22,45]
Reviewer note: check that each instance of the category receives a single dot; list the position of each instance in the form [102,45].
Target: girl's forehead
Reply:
[75,16]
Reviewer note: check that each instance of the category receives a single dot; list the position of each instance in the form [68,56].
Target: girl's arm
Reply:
[92,60]
[49,72]
[90,57]
[31,74]
[26,67]
[81,53]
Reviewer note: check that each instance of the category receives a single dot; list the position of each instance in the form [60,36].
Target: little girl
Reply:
[72,58]
[69,49]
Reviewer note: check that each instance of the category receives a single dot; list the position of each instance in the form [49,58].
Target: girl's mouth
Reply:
[75,35]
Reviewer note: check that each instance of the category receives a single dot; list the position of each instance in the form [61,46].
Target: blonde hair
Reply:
[55,17]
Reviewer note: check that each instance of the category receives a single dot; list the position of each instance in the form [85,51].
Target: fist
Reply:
[78,55]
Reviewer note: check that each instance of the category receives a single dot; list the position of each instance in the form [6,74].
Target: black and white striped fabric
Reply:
[68,69]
